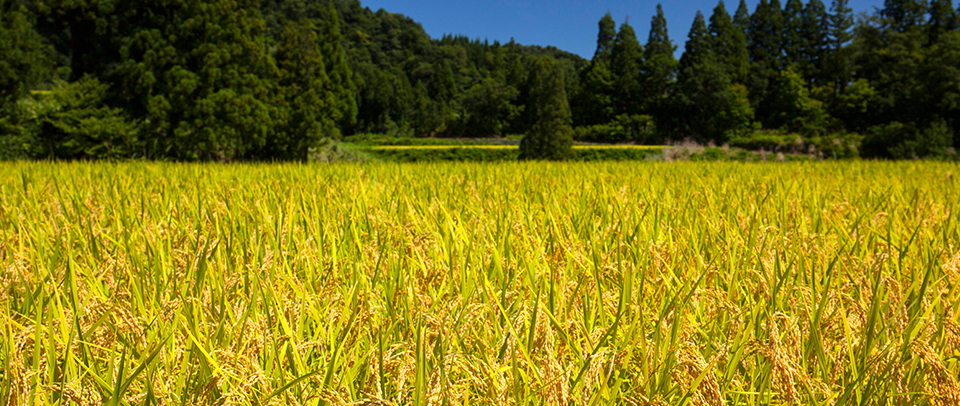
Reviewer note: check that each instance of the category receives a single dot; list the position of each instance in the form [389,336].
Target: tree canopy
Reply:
[229,80]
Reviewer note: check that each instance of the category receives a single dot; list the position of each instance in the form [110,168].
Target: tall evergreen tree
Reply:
[660,64]
[729,44]
[698,46]
[707,106]
[596,100]
[902,15]
[606,38]
[765,36]
[626,62]
[838,65]
[551,135]
[815,47]
[793,40]
[338,71]
[310,103]
[765,33]
[943,18]
[742,18]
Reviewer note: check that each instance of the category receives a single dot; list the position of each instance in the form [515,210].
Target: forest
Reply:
[250,80]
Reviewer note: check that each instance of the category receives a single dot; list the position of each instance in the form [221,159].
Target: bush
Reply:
[456,154]
[637,129]
[82,127]
[905,141]
[769,141]
[837,146]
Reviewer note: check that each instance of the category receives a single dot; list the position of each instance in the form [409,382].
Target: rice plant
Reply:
[477,284]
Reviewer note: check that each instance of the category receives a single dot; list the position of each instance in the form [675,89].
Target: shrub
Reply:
[905,141]
[837,146]
[770,141]
[80,126]
[638,129]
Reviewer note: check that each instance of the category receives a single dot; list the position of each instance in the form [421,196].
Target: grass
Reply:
[503,153]
[443,284]
[512,147]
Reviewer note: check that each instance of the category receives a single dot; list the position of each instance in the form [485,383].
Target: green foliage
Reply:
[708,106]
[606,38]
[70,122]
[742,17]
[765,37]
[713,109]
[23,54]
[943,18]
[595,104]
[660,65]
[338,70]
[905,141]
[829,146]
[793,41]
[637,129]
[309,100]
[841,21]
[200,77]
[467,153]
[489,108]
[903,15]
[768,140]
[729,44]
[626,64]
[814,59]
[838,145]
[698,46]
[451,154]
[81,126]
[795,110]
[230,80]
[551,136]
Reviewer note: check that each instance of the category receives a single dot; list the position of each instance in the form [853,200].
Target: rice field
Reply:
[480,284]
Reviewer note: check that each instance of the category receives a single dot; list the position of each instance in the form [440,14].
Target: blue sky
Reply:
[570,25]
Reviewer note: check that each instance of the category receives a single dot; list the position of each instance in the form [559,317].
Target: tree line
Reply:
[231,80]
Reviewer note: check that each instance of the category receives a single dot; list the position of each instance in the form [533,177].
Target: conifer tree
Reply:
[943,18]
[660,65]
[605,38]
[765,37]
[816,43]
[840,21]
[596,101]
[340,76]
[698,45]
[902,15]
[765,33]
[793,41]
[310,103]
[551,135]
[742,18]
[707,105]
[729,44]
[626,62]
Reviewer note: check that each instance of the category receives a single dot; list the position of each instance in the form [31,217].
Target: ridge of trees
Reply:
[271,79]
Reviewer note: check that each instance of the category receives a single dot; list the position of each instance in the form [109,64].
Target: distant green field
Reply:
[483,284]
[510,147]
[488,153]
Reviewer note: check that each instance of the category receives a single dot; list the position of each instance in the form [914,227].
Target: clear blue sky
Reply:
[570,25]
